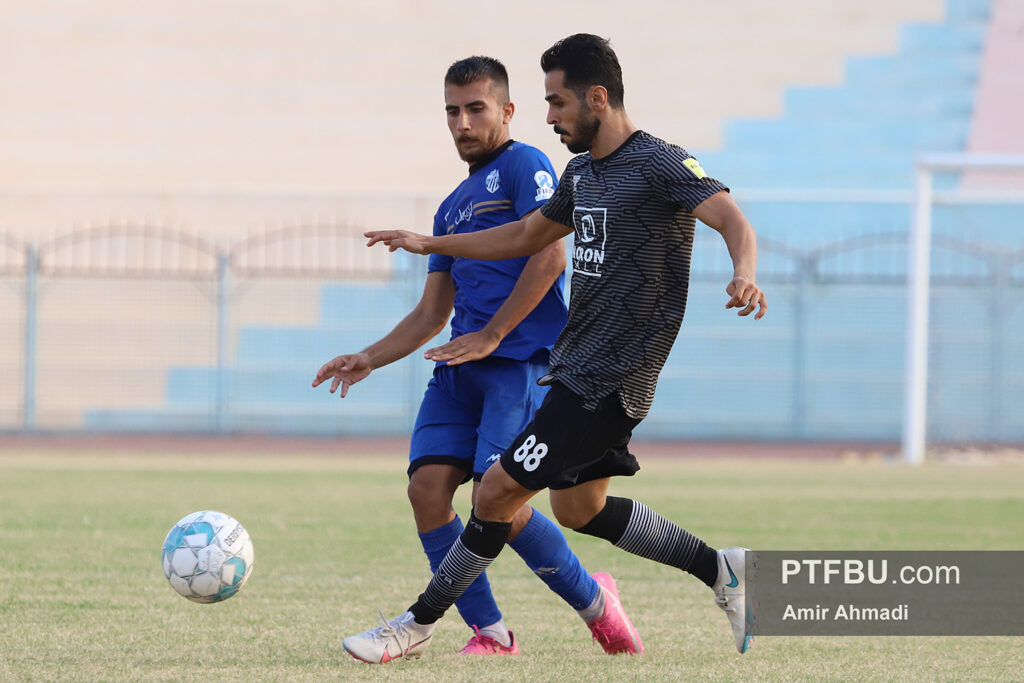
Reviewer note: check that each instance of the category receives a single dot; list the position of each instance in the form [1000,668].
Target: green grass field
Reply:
[82,595]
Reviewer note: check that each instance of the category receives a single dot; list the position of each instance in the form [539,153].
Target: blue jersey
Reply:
[516,180]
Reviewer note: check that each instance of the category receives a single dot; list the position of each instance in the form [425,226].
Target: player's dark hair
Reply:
[477,68]
[587,60]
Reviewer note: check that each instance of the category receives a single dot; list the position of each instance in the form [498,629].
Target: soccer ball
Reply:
[207,556]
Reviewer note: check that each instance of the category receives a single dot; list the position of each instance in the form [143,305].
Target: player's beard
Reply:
[487,145]
[587,126]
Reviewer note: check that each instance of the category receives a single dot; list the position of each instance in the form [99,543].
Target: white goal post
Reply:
[918,271]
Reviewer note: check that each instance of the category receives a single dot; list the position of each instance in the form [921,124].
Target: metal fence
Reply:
[133,327]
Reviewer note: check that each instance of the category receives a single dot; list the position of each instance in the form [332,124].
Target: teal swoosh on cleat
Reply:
[735,582]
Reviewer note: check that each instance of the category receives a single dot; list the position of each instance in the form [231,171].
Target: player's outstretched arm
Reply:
[538,275]
[416,329]
[518,238]
[719,211]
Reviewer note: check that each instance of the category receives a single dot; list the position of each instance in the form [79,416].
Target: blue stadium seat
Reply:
[966,36]
[318,345]
[383,300]
[758,169]
[932,99]
[862,136]
[967,10]
[953,69]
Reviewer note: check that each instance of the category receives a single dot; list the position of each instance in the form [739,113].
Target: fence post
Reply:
[31,335]
[799,423]
[222,397]
[998,330]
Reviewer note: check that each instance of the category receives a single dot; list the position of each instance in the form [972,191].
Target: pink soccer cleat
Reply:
[613,629]
[485,645]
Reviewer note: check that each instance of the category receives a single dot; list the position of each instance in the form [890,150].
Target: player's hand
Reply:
[746,296]
[412,242]
[470,346]
[344,371]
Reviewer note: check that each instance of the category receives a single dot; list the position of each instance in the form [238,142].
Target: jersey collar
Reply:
[615,152]
[493,155]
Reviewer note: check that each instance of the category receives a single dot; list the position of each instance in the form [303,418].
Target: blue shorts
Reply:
[472,412]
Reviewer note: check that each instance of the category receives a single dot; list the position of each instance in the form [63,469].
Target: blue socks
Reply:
[476,604]
[544,548]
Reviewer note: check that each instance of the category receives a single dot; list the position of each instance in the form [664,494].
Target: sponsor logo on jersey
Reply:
[465,214]
[493,181]
[591,234]
[545,185]
[575,182]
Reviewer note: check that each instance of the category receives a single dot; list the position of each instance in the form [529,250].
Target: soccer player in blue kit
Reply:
[484,389]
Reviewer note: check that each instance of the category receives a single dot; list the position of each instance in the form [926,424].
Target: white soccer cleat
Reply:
[730,595]
[400,637]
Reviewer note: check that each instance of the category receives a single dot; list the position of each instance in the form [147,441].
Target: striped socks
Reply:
[476,606]
[636,528]
[469,556]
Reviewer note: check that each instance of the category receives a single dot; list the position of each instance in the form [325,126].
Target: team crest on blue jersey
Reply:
[493,181]
[545,185]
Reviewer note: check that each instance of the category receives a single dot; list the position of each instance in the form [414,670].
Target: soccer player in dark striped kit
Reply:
[632,201]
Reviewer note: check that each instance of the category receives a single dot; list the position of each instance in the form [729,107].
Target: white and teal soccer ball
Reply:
[207,556]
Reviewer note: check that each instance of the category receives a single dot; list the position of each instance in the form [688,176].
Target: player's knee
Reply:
[419,495]
[573,516]
[575,511]
[499,497]
[427,493]
[575,507]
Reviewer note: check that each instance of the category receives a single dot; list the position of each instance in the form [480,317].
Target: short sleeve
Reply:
[533,180]
[440,262]
[560,207]
[677,178]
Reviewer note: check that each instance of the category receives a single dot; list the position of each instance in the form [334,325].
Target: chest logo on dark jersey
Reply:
[591,235]
[493,181]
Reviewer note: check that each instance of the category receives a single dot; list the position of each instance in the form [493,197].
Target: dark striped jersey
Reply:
[515,180]
[632,216]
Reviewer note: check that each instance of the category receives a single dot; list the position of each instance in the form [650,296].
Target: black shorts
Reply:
[566,444]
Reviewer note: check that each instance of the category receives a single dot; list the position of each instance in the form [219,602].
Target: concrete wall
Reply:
[223,116]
